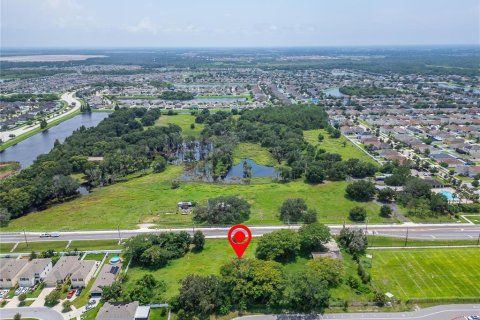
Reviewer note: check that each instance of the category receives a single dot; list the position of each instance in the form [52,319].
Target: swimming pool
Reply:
[448,195]
[115,260]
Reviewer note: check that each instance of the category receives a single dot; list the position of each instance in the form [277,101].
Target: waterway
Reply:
[28,150]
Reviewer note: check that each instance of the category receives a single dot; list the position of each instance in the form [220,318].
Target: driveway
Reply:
[41,313]
[40,301]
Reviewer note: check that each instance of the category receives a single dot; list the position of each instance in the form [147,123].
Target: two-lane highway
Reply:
[415,231]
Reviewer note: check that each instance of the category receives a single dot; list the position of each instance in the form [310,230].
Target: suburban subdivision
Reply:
[127,171]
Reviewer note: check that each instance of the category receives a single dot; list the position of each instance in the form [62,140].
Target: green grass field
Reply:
[336,145]
[427,273]
[208,261]
[184,121]
[41,246]
[91,245]
[150,199]
[254,152]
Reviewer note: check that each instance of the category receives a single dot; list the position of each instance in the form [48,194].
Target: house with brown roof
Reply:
[80,271]
[35,272]
[118,311]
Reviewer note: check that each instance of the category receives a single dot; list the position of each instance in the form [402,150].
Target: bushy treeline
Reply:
[176,95]
[120,139]
[29,96]
[368,91]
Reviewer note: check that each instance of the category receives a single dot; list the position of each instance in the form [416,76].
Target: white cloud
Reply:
[144,25]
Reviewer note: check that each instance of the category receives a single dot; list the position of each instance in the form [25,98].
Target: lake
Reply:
[234,175]
[29,149]
[334,92]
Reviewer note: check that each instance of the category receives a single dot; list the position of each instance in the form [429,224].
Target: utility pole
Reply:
[406,238]
[25,235]
[478,241]
[119,236]
[366,226]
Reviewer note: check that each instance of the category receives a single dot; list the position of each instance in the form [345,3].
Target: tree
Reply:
[313,237]
[147,290]
[306,292]
[199,297]
[112,292]
[223,210]
[320,137]
[43,124]
[315,174]
[252,282]
[159,165]
[198,240]
[475,183]
[386,195]
[67,306]
[17,316]
[310,216]
[331,270]
[292,210]
[385,211]
[155,257]
[353,240]
[4,217]
[360,190]
[357,214]
[280,245]
[52,298]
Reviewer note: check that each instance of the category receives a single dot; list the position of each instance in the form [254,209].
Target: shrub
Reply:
[358,214]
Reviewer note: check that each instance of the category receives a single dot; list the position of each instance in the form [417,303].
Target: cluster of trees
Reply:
[29,96]
[176,95]
[150,116]
[294,210]
[368,91]
[222,211]
[286,245]
[154,251]
[248,282]
[353,240]
[120,139]
[330,166]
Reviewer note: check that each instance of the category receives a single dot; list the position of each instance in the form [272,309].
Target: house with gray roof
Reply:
[118,311]
[10,270]
[80,271]
[35,272]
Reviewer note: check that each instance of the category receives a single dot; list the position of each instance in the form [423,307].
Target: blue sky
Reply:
[242,23]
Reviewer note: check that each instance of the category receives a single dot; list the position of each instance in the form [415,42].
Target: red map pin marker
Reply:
[239,237]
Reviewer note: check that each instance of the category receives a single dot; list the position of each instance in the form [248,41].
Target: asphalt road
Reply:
[415,231]
[41,313]
[445,312]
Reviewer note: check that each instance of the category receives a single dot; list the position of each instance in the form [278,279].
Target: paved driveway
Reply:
[40,301]
[41,313]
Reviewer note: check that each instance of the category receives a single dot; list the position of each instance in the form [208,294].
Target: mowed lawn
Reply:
[254,152]
[427,273]
[349,151]
[209,261]
[184,121]
[150,199]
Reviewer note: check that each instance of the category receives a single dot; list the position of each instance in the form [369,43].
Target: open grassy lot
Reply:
[349,151]
[254,152]
[382,241]
[427,273]
[151,199]
[208,261]
[184,121]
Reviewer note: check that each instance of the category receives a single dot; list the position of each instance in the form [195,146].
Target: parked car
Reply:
[71,293]
[79,290]
[55,234]
[45,235]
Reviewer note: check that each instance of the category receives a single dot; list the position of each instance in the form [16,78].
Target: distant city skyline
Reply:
[246,23]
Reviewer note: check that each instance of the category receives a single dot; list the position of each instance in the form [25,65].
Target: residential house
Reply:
[66,267]
[35,272]
[10,269]
[106,277]
[118,311]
